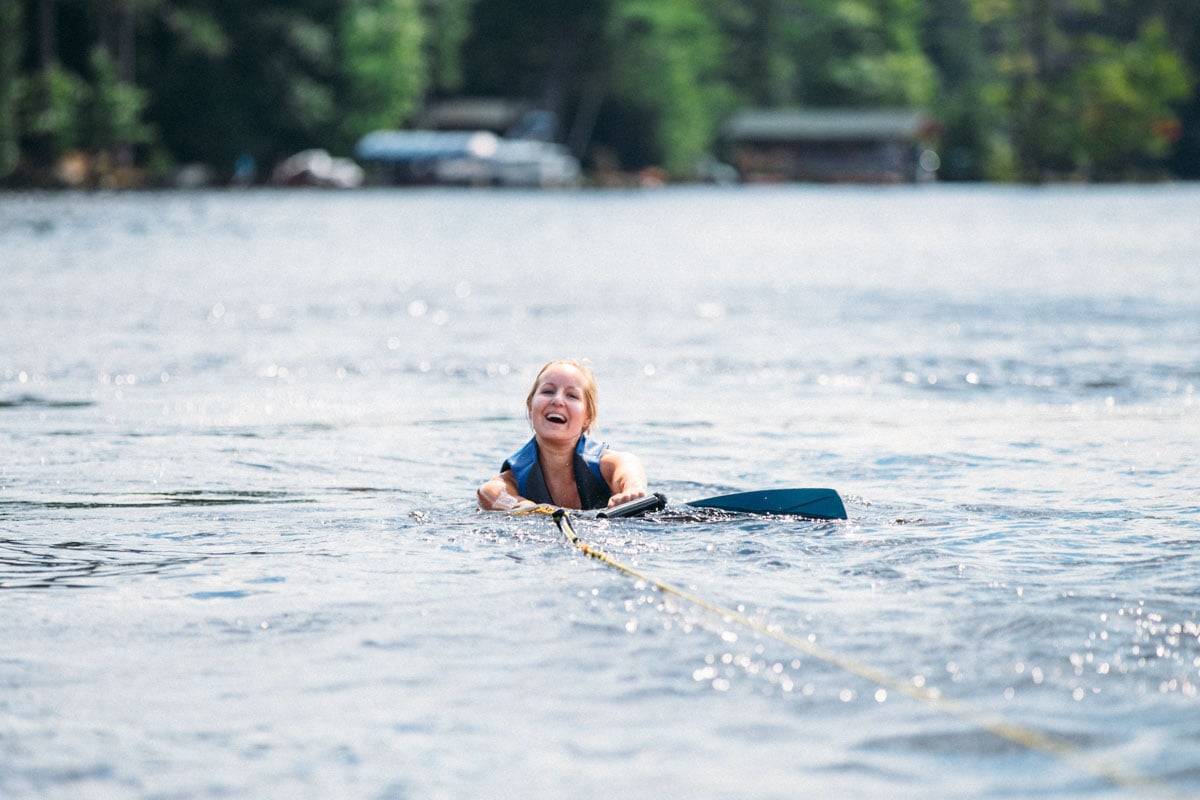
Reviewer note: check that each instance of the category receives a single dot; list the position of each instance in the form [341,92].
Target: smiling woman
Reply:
[559,465]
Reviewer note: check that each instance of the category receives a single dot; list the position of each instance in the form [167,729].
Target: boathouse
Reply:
[832,145]
[512,119]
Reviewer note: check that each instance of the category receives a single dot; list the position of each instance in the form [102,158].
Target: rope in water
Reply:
[931,697]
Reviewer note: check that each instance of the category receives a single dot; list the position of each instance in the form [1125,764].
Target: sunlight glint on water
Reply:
[238,550]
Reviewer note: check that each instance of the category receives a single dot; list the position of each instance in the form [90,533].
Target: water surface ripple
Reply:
[239,554]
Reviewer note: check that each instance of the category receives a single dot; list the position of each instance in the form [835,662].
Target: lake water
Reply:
[240,556]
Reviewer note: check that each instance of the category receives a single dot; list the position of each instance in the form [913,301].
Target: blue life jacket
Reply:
[593,489]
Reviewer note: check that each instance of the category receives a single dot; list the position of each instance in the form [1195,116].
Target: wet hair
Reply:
[590,390]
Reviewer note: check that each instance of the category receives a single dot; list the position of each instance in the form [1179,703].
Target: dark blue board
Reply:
[815,503]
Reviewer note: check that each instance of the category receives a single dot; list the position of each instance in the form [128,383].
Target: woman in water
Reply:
[559,465]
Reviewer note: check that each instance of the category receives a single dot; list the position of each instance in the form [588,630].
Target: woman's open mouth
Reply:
[556,418]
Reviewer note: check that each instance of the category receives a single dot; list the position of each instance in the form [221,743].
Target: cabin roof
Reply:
[472,113]
[826,124]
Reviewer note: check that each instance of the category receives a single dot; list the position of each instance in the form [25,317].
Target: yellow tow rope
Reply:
[1025,737]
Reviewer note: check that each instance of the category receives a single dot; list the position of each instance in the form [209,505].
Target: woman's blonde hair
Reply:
[590,390]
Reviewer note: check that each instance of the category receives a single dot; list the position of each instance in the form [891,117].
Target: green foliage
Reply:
[677,47]
[531,49]
[259,78]
[1124,93]
[966,100]
[759,62]
[197,31]
[10,84]
[298,70]
[1088,85]
[1180,18]
[861,53]
[885,79]
[111,114]
[384,64]
[51,109]
[1034,61]
[1027,89]
[999,160]
[448,24]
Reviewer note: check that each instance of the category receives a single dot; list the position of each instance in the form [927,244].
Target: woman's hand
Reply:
[625,474]
[625,497]
[499,495]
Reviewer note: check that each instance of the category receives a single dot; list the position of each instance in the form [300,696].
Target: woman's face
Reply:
[558,410]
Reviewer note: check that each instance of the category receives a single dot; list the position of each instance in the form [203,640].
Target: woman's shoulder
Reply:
[611,454]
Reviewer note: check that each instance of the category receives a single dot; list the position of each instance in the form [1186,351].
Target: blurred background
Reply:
[127,93]
[242,428]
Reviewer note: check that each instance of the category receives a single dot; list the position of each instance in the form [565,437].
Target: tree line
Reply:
[1026,90]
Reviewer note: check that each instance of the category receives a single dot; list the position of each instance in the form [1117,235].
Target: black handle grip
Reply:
[651,502]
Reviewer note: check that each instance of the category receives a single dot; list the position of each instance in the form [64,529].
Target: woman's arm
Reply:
[625,475]
[500,493]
